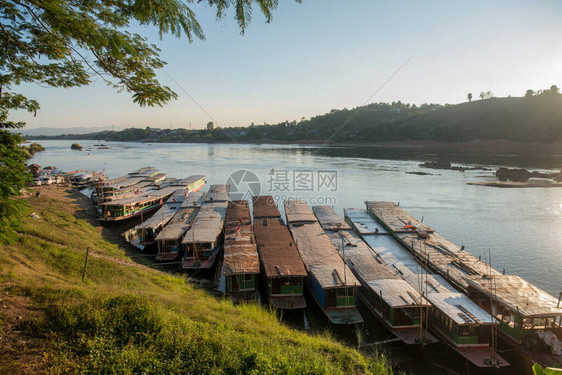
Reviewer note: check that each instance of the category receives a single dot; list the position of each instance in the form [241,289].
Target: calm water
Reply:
[521,227]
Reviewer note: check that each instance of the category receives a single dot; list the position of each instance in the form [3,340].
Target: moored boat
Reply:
[169,239]
[282,268]
[204,239]
[399,306]
[241,265]
[330,281]
[453,317]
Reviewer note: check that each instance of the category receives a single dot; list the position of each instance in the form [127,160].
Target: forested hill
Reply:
[535,118]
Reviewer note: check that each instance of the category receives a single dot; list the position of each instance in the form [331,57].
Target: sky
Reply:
[326,54]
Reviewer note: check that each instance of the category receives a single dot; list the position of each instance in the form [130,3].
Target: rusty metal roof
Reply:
[238,212]
[264,206]
[277,250]
[298,212]
[240,252]
[329,219]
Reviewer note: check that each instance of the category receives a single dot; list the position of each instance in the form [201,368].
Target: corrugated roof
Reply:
[396,292]
[369,269]
[218,193]
[238,212]
[189,180]
[320,256]
[396,218]
[264,206]
[517,293]
[144,196]
[278,252]
[298,212]
[240,253]
[177,226]
[162,216]
[194,199]
[328,218]
[460,308]
[207,226]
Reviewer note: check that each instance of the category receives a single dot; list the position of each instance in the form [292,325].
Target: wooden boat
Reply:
[241,266]
[399,306]
[146,200]
[282,268]
[453,317]
[330,281]
[169,239]
[528,316]
[126,186]
[469,274]
[204,239]
[147,231]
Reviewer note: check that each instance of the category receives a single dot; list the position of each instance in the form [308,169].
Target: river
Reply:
[521,228]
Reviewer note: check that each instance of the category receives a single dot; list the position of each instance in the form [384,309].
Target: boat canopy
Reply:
[329,219]
[177,226]
[218,193]
[264,206]
[363,222]
[518,294]
[278,253]
[298,212]
[240,253]
[207,226]
[460,308]
[194,199]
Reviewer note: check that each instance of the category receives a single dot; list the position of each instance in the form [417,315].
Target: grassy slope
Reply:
[126,318]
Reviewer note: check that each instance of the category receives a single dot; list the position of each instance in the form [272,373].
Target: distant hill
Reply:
[59,131]
[535,118]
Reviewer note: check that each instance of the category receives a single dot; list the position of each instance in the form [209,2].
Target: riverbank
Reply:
[125,317]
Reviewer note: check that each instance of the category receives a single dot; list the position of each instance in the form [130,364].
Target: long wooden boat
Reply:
[147,199]
[330,281]
[203,241]
[511,299]
[453,317]
[169,239]
[281,265]
[126,186]
[148,230]
[399,306]
[241,265]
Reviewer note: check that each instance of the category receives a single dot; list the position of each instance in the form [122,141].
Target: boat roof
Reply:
[516,293]
[363,222]
[146,195]
[144,171]
[446,257]
[178,224]
[369,268]
[240,253]
[318,254]
[189,180]
[278,252]
[397,292]
[328,218]
[194,199]
[207,226]
[460,308]
[298,212]
[264,206]
[238,212]
[162,216]
[218,193]
[395,217]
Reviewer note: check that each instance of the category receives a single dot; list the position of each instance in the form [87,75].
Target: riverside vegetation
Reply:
[128,318]
[532,118]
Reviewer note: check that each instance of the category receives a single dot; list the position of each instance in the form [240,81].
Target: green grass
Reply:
[127,319]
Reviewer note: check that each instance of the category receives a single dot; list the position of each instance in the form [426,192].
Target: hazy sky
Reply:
[326,54]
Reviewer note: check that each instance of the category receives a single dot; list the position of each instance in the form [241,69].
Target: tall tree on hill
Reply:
[469,96]
[60,43]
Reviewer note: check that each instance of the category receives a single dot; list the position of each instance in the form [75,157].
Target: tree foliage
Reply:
[61,43]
